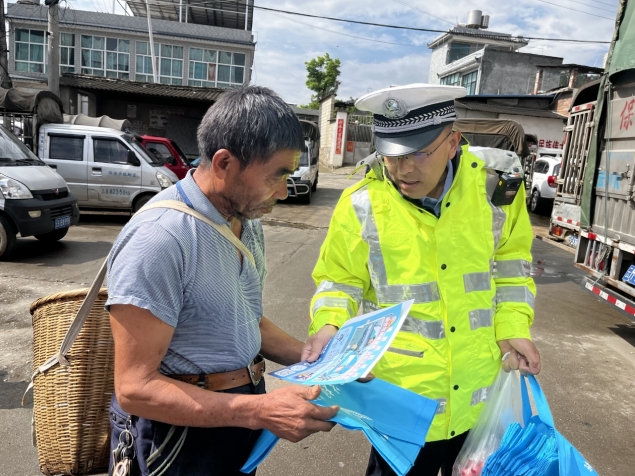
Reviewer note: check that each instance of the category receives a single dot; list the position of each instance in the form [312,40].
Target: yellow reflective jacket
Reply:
[467,271]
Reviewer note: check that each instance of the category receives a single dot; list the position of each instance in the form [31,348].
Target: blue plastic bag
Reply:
[536,448]
[570,461]
[398,435]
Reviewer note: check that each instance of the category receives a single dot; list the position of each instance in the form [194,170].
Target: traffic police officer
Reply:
[448,228]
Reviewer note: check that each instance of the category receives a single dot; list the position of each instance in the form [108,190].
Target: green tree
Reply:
[322,78]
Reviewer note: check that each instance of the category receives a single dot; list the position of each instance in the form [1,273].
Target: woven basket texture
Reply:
[71,404]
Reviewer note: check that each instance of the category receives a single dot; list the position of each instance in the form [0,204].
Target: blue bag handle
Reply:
[539,399]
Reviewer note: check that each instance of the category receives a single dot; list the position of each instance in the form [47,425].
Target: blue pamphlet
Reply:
[353,351]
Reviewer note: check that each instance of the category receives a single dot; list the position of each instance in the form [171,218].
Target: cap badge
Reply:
[394,108]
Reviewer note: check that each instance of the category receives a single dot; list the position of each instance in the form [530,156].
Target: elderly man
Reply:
[438,224]
[186,305]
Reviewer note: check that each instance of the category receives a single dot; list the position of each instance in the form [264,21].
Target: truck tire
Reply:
[7,238]
[52,236]
[140,202]
[307,198]
[535,203]
[314,187]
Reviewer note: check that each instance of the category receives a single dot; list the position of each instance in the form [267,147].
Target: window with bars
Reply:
[169,61]
[468,81]
[67,53]
[108,57]
[211,68]
[30,51]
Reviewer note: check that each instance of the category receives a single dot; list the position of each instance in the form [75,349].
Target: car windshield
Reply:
[14,152]
[180,152]
[304,158]
[142,151]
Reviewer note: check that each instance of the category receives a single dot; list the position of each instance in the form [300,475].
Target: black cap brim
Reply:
[394,145]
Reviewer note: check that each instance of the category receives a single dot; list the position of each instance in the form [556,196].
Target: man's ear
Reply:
[455,140]
[224,163]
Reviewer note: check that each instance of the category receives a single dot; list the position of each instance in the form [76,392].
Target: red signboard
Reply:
[350,146]
[338,138]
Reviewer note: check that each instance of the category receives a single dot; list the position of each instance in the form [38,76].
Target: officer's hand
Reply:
[524,356]
[314,345]
[288,414]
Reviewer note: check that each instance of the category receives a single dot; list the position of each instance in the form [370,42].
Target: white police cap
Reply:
[409,118]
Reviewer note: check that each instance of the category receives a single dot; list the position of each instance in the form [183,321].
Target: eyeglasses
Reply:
[416,157]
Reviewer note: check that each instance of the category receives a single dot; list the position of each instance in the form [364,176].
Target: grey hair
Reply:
[251,122]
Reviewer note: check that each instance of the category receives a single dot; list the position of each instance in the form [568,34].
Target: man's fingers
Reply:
[319,425]
[312,392]
[306,352]
[366,379]
[325,413]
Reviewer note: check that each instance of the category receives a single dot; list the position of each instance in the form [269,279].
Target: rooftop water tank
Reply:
[474,19]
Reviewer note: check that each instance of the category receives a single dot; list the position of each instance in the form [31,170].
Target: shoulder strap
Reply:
[222,229]
[91,296]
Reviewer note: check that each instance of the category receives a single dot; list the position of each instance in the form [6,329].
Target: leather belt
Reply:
[227,380]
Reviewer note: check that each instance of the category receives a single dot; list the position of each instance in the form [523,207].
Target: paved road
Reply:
[588,349]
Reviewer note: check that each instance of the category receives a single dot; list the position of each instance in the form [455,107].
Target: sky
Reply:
[373,58]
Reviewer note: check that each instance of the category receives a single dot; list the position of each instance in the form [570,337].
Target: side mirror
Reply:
[133,159]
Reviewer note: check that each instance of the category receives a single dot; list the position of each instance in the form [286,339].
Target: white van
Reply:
[104,168]
[304,180]
[34,200]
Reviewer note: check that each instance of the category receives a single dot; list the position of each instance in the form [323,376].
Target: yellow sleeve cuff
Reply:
[509,324]
[326,316]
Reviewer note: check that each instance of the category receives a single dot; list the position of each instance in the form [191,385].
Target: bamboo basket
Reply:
[71,402]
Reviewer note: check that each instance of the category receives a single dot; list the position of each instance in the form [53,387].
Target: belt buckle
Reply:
[259,358]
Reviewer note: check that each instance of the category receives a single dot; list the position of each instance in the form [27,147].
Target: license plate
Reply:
[63,222]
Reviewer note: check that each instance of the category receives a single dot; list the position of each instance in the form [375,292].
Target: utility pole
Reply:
[155,73]
[4,62]
[53,46]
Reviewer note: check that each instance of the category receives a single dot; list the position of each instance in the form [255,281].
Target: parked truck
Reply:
[595,203]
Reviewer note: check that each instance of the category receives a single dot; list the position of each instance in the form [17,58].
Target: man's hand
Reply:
[314,345]
[288,413]
[523,356]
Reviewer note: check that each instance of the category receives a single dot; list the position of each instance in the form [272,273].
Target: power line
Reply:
[576,10]
[422,11]
[604,3]
[429,30]
[591,6]
[344,34]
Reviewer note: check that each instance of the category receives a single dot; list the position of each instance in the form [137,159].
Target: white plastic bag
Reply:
[503,406]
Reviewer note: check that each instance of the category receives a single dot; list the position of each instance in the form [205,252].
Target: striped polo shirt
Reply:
[189,276]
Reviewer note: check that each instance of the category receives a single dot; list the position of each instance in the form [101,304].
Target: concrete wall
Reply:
[506,72]
[437,63]
[327,123]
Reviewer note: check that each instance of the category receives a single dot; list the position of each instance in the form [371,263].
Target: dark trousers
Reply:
[205,451]
[434,456]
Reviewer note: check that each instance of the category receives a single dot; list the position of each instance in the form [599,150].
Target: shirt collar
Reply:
[434,204]
[200,202]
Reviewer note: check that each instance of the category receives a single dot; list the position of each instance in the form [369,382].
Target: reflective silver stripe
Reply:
[498,220]
[442,404]
[338,302]
[409,353]
[477,282]
[479,396]
[515,268]
[369,306]
[329,286]
[481,318]
[421,293]
[514,294]
[364,211]
[429,329]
